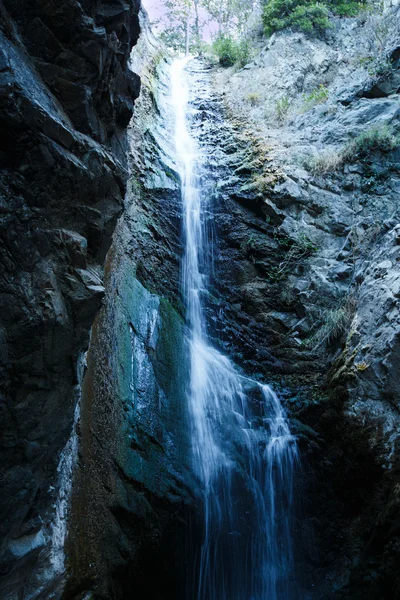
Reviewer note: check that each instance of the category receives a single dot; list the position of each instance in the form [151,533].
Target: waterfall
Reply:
[243,452]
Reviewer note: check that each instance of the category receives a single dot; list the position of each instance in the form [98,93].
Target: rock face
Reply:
[306,279]
[133,489]
[304,294]
[67,96]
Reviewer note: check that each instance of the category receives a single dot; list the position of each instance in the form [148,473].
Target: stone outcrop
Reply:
[306,278]
[133,487]
[304,295]
[67,96]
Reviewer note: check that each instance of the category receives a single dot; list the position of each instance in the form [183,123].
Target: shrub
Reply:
[243,54]
[361,366]
[305,15]
[225,48]
[328,161]
[332,324]
[346,9]
[379,138]
[318,96]
[253,98]
[296,14]
[282,109]
[230,51]
[297,251]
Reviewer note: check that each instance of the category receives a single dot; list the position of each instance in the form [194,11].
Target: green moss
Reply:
[169,358]
[151,378]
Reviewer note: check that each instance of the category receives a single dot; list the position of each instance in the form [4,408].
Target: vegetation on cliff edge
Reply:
[306,15]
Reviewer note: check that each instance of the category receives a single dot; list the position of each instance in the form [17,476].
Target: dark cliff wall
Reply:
[307,279]
[133,488]
[66,99]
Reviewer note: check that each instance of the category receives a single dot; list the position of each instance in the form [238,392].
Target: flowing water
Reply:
[243,451]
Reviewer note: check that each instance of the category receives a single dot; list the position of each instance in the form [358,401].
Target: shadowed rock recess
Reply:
[67,97]
[99,498]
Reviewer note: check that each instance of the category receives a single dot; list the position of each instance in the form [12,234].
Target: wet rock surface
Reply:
[134,489]
[67,96]
[305,285]
[304,295]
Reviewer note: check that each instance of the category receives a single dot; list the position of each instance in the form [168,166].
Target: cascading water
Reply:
[243,451]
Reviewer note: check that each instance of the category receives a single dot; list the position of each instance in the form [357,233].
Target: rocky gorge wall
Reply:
[306,278]
[304,295]
[67,97]
[133,488]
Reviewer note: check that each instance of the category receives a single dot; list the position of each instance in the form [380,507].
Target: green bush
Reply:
[243,53]
[230,51]
[317,96]
[346,9]
[282,107]
[379,138]
[328,161]
[253,98]
[305,15]
[333,324]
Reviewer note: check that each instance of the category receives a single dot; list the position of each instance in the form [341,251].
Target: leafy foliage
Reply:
[305,15]
[282,107]
[174,37]
[346,9]
[231,51]
[177,32]
[297,251]
[183,22]
[376,139]
[231,16]
[253,98]
[317,96]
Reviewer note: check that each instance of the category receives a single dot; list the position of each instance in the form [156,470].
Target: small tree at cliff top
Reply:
[231,16]
[184,21]
[181,26]
[231,51]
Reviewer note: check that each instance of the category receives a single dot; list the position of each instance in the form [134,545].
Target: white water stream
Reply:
[244,456]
